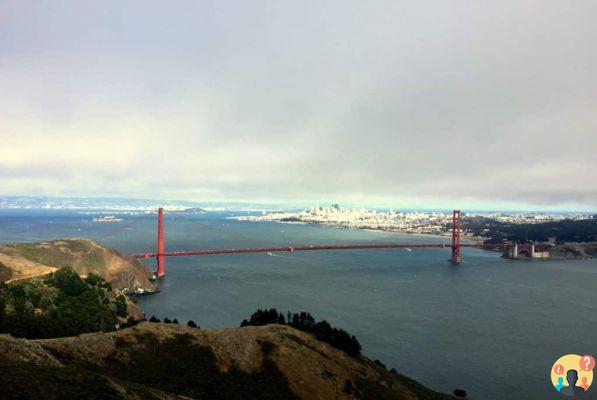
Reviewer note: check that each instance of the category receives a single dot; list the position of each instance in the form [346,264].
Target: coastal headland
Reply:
[110,351]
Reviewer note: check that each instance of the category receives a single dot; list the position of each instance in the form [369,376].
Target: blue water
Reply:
[491,326]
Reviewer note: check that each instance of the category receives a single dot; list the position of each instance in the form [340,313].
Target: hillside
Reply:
[168,361]
[63,304]
[26,260]
[563,231]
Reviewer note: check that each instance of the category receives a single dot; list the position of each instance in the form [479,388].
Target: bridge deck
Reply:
[310,248]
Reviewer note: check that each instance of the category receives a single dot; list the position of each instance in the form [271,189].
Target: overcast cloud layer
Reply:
[431,103]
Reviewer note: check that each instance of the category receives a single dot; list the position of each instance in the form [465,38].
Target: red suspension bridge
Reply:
[455,246]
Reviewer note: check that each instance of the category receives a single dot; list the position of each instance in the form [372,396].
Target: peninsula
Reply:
[67,324]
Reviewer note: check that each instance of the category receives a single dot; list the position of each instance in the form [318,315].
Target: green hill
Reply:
[26,260]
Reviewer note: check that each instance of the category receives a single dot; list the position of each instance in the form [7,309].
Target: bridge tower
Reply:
[456,230]
[160,256]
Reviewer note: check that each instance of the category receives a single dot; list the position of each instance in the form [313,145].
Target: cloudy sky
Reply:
[478,104]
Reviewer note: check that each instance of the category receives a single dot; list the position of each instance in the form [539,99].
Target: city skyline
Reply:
[386,104]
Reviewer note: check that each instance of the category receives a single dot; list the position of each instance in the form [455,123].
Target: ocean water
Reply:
[491,326]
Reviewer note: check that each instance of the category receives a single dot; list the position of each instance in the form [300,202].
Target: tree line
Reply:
[566,230]
[305,322]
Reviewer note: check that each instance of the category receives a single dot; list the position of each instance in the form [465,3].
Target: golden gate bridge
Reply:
[455,245]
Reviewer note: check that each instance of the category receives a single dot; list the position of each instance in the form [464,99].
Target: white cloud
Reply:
[394,102]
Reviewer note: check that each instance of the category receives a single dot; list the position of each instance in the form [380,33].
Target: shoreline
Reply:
[362,228]
[465,237]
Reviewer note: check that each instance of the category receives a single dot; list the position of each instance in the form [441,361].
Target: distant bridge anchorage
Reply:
[455,245]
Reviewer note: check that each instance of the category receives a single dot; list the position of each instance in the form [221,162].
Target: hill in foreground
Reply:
[26,260]
[169,361]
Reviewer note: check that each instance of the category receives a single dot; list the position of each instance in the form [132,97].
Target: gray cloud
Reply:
[400,103]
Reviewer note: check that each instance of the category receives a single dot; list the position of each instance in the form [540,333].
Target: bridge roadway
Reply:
[312,248]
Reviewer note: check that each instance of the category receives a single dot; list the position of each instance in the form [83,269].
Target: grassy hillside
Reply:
[158,361]
[26,260]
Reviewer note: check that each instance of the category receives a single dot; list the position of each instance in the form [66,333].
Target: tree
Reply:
[305,322]
[153,319]
[68,281]
[60,305]
[2,309]
[121,310]
[192,324]
[94,279]
[265,317]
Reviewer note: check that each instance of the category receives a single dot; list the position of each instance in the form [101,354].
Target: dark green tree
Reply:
[68,281]
[121,306]
[192,324]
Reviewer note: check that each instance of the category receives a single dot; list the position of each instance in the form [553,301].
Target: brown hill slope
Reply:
[156,361]
[26,260]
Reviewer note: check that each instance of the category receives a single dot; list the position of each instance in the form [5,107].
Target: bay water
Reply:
[491,326]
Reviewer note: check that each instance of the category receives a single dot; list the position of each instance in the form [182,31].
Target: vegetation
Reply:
[305,322]
[192,324]
[62,304]
[180,365]
[53,256]
[53,383]
[562,231]
[177,365]
[171,362]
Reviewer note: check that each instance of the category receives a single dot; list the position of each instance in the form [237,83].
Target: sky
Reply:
[431,104]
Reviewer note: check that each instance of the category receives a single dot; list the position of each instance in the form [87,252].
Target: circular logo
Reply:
[572,374]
